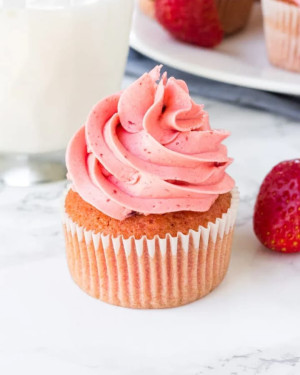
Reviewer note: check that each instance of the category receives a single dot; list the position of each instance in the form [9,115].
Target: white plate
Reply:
[240,59]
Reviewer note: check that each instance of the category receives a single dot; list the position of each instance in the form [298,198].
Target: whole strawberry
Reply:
[192,21]
[277,208]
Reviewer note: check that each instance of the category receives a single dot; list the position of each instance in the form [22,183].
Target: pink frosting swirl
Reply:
[149,149]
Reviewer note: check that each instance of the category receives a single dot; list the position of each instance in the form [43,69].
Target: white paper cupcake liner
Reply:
[151,273]
[282,33]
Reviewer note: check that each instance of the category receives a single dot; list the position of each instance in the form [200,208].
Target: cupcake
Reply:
[147,7]
[150,213]
[282,32]
[233,14]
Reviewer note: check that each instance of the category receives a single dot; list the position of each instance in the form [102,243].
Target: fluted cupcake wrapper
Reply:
[151,273]
[233,14]
[282,32]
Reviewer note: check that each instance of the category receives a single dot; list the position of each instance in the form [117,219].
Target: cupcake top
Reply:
[149,150]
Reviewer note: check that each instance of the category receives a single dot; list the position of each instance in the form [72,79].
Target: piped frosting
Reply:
[149,150]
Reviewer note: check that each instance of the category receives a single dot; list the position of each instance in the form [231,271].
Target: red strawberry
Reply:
[193,21]
[277,209]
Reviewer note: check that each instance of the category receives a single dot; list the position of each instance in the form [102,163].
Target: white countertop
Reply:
[248,325]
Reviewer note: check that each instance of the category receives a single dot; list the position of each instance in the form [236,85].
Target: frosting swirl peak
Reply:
[149,149]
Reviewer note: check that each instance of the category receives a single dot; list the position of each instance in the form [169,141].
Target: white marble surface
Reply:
[249,325]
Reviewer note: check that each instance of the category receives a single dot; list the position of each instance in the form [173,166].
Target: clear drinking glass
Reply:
[57,59]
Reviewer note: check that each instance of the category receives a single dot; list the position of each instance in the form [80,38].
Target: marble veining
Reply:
[255,362]
[247,326]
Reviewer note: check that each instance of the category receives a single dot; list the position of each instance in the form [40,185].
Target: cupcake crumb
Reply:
[139,225]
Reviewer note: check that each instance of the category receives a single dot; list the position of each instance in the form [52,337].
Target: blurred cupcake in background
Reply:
[282,32]
[233,14]
[147,7]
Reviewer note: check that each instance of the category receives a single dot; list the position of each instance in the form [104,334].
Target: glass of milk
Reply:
[58,58]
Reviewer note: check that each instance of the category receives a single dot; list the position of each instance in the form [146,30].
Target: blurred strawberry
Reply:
[277,209]
[192,21]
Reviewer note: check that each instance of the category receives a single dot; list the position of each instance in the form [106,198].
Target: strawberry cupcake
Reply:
[150,213]
[147,7]
[282,32]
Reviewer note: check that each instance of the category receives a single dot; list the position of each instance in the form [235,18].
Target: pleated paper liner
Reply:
[233,14]
[282,33]
[151,273]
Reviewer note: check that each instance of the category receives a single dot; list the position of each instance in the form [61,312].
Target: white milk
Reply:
[55,64]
